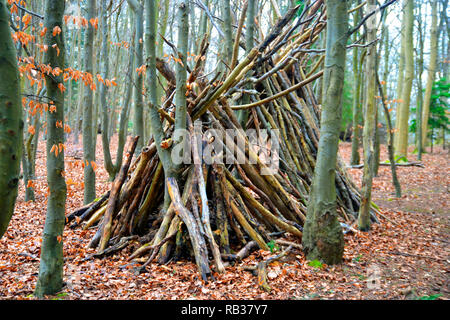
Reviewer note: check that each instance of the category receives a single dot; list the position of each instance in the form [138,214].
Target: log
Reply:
[198,242]
[91,209]
[113,197]
[407,164]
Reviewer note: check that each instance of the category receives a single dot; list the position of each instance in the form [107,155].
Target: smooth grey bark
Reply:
[50,279]
[401,138]
[89,126]
[227,27]
[431,72]
[138,121]
[420,69]
[104,71]
[154,116]
[356,108]
[124,113]
[369,131]
[322,234]
[30,144]
[180,68]
[242,115]
[11,123]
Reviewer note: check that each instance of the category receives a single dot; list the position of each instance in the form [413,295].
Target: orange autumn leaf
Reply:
[166,143]
[56,31]
[100,79]
[70,181]
[26,19]
[30,184]
[55,46]
[61,87]
[94,23]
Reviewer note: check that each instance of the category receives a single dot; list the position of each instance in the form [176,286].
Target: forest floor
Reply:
[405,256]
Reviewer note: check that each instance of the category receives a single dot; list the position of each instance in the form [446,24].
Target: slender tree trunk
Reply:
[355,158]
[11,125]
[431,71]
[401,69]
[242,115]
[227,27]
[89,126]
[419,107]
[104,70]
[369,130]
[401,143]
[124,114]
[390,142]
[180,67]
[138,124]
[154,116]
[322,236]
[50,279]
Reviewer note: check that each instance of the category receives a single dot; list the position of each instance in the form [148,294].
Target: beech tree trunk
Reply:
[138,123]
[89,126]
[369,130]
[356,108]
[322,235]
[431,72]
[401,138]
[11,124]
[50,279]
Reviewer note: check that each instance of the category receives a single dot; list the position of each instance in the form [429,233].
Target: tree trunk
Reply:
[419,107]
[50,279]
[322,236]
[242,115]
[11,125]
[155,123]
[181,73]
[369,129]
[401,70]
[89,126]
[227,27]
[104,71]
[355,158]
[401,143]
[138,124]
[431,72]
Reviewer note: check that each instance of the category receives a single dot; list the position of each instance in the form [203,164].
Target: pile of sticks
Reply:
[212,210]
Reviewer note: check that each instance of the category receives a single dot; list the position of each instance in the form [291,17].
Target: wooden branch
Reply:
[279,94]
[408,164]
[198,242]
[91,209]
[238,35]
[202,190]
[114,196]
[365,18]
[28,11]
